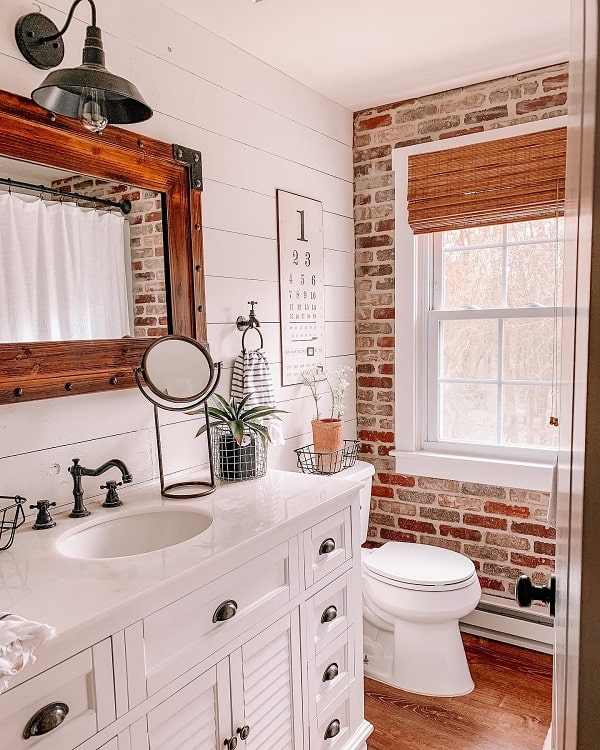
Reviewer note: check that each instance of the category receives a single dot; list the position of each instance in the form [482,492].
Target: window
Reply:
[492,338]
[477,314]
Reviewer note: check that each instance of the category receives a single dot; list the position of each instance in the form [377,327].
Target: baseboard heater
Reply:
[503,620]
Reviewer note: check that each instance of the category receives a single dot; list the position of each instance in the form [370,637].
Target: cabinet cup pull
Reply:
[333,728]
[243,732]
[45,720]
[329,614]
[327,546]
[225,611]
[331,672]
[231,743]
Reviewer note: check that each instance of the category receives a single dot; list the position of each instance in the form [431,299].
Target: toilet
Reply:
[413,598]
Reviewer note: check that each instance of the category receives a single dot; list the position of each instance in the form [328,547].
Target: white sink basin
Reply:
[134,533]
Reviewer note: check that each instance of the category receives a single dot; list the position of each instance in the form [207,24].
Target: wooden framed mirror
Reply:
[40,369]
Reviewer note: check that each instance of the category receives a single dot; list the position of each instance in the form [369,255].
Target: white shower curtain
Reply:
[63,273]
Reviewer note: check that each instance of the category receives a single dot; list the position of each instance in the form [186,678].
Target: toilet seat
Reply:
[419,567]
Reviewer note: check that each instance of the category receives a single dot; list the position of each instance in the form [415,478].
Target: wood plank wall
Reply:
[258,130]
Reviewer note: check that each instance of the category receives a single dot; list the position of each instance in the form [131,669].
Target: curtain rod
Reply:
[124,206]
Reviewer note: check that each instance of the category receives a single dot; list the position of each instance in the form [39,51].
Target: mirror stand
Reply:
[190,389]
[177,490]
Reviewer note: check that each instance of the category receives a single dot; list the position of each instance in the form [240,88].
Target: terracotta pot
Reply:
[328,437]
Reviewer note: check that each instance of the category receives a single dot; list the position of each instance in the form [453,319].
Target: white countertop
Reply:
[39,583]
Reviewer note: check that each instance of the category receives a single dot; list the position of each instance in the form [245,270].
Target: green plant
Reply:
[239,418]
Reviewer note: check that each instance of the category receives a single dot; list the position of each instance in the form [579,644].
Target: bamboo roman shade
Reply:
[505,180]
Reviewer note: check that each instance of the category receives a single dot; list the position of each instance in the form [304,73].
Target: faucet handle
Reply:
[111,485]
[44,520]
[112,499]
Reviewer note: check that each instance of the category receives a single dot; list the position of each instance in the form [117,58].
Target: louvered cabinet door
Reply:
[266,689]
[197,717]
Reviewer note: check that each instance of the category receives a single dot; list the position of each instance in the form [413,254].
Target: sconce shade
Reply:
[61,90]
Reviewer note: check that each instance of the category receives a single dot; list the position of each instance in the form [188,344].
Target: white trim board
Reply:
[503,620]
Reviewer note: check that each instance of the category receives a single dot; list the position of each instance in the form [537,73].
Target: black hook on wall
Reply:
[249,323]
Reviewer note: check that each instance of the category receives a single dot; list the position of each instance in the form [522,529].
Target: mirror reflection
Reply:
[178,368]
[74,268]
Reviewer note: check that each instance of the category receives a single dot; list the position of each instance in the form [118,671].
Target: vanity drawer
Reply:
[327,546]
[328,614]
[188,631]
[330,672]
[332,727]
[83,683]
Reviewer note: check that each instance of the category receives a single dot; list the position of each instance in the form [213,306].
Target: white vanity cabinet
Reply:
[259,651]
[250,700]
[171,641]
[83,684]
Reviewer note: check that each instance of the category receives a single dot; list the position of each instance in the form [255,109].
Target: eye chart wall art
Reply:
[301,284]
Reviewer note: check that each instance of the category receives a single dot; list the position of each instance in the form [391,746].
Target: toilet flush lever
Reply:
[527,593]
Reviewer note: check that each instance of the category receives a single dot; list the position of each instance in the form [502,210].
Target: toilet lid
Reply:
[420,564]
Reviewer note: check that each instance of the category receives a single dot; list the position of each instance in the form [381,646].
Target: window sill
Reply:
[502,473]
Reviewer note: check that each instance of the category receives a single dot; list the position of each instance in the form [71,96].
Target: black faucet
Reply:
[77,471]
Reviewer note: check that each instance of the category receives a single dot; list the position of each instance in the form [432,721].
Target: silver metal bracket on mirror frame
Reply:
[193,158]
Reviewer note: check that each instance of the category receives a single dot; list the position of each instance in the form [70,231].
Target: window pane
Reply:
[527,348]
[474,236]
[469,349]
[525,414]
[468,412]
[472,278]
[506,266]
[540,229]
[530,275]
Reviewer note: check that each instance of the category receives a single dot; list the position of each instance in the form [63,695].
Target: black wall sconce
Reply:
[89,92]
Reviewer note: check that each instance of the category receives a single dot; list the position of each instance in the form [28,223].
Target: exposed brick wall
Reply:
[501,529]
[147,248]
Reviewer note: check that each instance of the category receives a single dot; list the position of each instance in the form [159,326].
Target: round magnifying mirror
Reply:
[178,369]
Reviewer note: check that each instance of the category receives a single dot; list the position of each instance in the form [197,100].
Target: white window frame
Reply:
[412,256]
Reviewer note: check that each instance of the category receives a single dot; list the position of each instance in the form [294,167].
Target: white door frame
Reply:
[576,714]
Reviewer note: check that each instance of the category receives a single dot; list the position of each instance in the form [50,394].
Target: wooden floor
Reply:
[510,708]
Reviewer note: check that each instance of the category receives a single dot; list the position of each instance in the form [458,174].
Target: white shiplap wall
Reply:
[258,130]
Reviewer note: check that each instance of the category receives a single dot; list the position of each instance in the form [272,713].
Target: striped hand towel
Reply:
[252,375]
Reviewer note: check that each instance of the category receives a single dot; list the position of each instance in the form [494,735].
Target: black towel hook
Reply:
[249,323]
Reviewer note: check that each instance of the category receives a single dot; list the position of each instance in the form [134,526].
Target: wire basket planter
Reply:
[12,516]
[312,462]
[233,462]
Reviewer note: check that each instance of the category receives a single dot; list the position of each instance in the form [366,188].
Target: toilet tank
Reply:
[361,471]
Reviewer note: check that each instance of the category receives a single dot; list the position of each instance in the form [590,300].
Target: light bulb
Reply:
[92,110]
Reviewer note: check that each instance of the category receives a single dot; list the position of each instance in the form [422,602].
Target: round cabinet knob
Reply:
[333,729]
[327,546]
[331,672]
[45,720]
[225,611]
[244,732]
[329,614]
[231,743]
